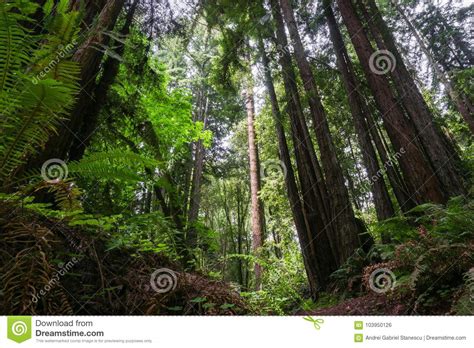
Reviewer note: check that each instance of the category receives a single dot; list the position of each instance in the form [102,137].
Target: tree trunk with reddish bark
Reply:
[98,93]
[420,178]
[382,201]
[302,229]
[195,196]
[89,59]
[442,160]
[317,244]
[254,166]
[341,208]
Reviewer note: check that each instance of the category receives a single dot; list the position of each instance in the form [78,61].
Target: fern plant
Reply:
[38,81]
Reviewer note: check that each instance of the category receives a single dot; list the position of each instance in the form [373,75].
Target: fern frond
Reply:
[112,165]
[15,43]
[29,127]
[37,82]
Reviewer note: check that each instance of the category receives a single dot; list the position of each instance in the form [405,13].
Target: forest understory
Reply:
[236,157]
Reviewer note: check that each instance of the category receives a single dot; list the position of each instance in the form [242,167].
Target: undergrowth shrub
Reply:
[284,284]
[431,255]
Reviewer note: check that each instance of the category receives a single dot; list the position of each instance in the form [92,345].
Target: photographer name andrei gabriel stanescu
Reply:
[65,328]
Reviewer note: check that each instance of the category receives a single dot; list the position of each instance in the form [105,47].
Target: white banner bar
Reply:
[238,332]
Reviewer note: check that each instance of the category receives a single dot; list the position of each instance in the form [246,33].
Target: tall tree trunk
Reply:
[242,208]
[341,209]
[254,165]
[318,248]
[402,195]
[430,136]
[290,180]
[417,171]
[382,201]
[195,197]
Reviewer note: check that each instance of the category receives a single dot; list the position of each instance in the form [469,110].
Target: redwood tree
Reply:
[382,201]
[345,227]
[254,169]
[417,171]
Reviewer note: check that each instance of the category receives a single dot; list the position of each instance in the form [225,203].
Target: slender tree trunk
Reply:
[405,202]
[421,179]
[256,209]
[195,198]
[341,209]
[189,165]
[317,244]
[241,209]
[290,180]
[382,201]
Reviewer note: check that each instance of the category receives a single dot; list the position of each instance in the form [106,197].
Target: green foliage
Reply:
[465,302]
[430,253]
[146,233]
[398,228]
[284,284]
[37,84]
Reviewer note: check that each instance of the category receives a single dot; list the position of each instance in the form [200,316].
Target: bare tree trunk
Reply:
[254,165]
[417,171]
[241,210]
[318,246]
[405,202]
[195,198]
[382,201]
